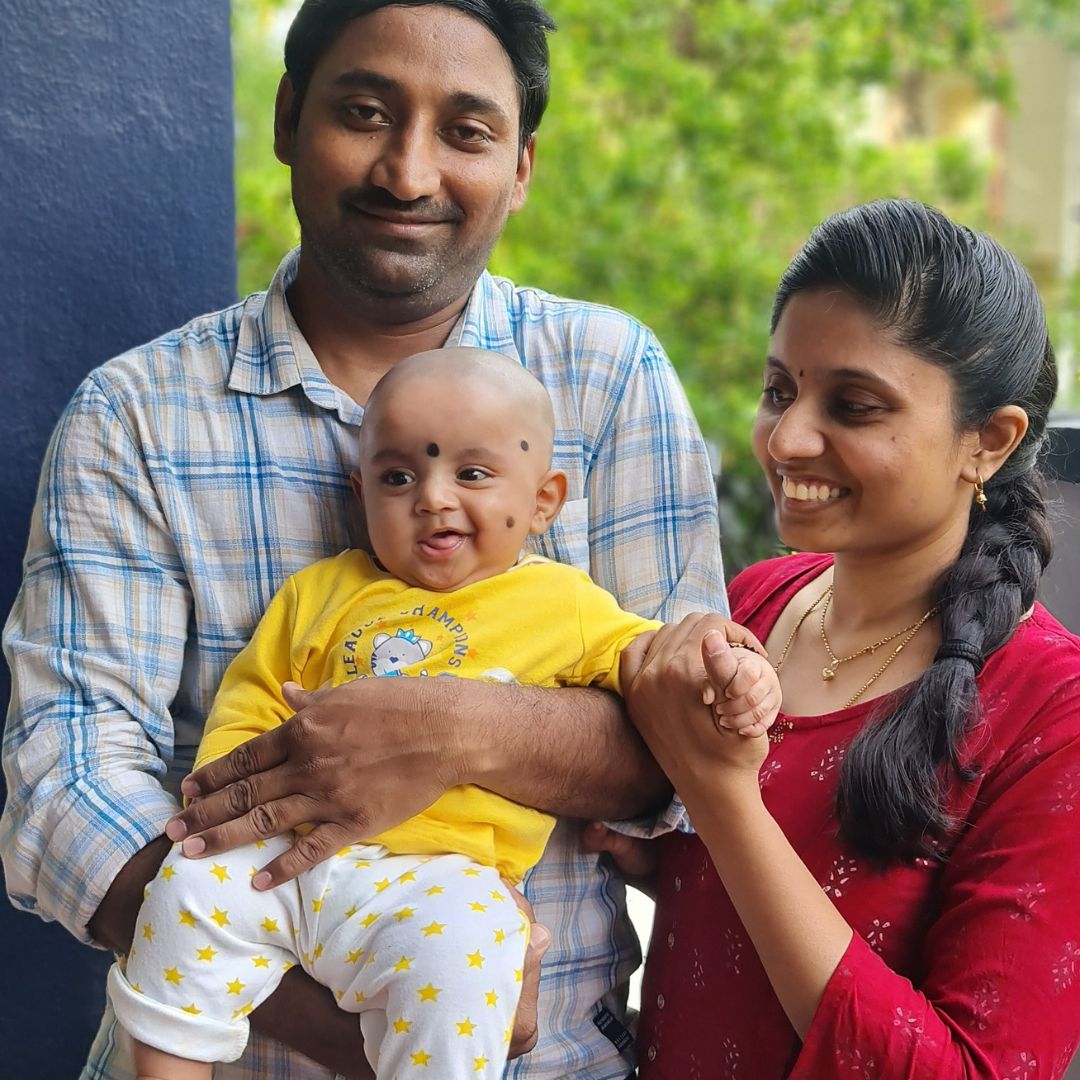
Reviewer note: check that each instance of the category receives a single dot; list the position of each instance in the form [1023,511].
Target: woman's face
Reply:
[857,437]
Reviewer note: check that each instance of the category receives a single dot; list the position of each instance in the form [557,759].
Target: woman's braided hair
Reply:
[959,300]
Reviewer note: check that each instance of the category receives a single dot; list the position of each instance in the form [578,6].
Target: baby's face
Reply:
[450,473]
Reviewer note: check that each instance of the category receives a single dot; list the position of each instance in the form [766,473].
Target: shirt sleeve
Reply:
[654,533]
[95,643]
[249,701]
[1001,991]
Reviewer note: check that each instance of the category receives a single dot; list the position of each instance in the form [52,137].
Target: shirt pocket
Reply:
[567,541]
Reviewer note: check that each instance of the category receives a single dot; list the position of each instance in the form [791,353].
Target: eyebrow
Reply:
[461,101]
[859,374]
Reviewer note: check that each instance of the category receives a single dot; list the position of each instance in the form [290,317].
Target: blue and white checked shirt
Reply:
[187,480]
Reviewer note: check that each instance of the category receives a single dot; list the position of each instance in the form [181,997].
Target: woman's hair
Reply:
[521,27]
[957,299]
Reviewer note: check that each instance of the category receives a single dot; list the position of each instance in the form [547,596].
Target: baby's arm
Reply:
[744,690]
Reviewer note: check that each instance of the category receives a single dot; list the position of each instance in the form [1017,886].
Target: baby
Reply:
[414,929]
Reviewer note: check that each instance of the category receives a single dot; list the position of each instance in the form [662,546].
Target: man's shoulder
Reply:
[531,307]
[201,351]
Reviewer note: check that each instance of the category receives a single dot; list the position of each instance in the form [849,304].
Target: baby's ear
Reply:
[358,489]
[550,496]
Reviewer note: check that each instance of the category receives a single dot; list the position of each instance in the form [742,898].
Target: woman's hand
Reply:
[688,692]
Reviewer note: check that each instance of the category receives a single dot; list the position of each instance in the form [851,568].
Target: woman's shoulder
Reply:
[770,584]
[1041,650]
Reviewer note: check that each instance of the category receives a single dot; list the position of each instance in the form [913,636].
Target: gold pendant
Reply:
[827,673]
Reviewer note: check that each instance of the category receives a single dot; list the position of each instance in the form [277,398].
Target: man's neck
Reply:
[353,346]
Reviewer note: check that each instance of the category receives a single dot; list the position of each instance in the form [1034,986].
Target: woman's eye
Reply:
[855,410]
[776,396]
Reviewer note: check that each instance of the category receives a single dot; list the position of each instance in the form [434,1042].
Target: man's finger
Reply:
[248,759]
[525,1021]
[307,851]
[264,821]
[296,697]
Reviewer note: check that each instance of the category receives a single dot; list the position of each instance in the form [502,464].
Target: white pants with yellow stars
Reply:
[428,950]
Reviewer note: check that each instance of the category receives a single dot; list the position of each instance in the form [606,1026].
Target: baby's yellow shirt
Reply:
[538,624]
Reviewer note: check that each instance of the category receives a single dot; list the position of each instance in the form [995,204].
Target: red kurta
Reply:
[967,969]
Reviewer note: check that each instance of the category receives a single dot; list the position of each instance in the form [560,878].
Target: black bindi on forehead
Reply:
[524,446]
[801,373]
[432,449]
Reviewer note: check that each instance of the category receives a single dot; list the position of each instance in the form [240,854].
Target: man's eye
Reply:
[472,474]
[366,114]
[469,135]
[396,478]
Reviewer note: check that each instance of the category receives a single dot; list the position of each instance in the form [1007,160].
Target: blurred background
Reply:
[691,145]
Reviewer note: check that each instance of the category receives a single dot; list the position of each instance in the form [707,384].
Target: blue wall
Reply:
[116,225]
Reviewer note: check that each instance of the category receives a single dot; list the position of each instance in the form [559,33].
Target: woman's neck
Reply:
[879,592]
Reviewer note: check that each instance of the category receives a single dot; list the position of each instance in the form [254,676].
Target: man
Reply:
[189,478]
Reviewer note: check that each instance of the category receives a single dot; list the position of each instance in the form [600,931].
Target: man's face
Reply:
[405,158]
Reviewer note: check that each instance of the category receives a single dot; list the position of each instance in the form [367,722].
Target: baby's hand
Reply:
[743,689]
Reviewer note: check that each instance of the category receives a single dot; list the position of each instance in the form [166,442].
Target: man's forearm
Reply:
[113,924]
[570,752]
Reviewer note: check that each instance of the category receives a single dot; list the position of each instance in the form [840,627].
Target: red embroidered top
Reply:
[968,969]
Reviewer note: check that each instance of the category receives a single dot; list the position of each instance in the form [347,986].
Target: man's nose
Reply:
[408,165]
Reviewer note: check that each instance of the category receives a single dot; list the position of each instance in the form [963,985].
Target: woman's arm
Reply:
[1002,956]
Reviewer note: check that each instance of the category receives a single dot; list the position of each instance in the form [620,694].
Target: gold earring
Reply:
[980,492]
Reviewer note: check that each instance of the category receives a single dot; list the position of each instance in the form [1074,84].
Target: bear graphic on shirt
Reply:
[391,653]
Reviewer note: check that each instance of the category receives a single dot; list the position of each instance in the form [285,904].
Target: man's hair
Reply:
[521,27]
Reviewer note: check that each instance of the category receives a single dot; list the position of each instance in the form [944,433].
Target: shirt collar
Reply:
[272,354]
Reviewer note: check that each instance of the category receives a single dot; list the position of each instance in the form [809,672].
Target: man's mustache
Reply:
[375,200]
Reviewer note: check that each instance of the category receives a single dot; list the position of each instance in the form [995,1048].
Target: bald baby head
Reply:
[475,380]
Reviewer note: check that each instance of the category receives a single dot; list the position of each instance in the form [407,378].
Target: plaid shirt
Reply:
[187,480]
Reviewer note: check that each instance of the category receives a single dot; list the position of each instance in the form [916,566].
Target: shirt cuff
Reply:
[672,818]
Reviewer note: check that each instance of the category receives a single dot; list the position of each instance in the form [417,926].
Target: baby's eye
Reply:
[396,478]
[471,474]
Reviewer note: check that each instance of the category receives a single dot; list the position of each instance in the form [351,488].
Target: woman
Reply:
[889,885]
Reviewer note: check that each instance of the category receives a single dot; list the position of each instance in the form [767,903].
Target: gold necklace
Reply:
[908,631]
[829,671]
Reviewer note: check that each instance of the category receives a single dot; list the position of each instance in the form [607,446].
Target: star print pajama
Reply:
[428,950]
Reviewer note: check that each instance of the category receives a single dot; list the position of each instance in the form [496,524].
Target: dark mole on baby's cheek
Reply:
[432,450]
[800,373]
[510,523]
[524,446]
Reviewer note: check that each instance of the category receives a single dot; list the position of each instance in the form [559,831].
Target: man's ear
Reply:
[997,439]
[284,132]
[357,486]
[550,496]
[524,175]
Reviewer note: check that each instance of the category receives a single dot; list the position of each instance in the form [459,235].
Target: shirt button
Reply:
[652,1053]
[671,941]
[678,884]
[659,1001]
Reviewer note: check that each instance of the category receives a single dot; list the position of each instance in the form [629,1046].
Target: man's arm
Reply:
[89,725]
[570,752]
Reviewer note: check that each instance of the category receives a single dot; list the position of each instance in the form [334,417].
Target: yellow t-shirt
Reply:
[538,624]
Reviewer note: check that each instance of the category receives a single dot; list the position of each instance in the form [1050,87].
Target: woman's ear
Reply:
[997,439]
[550,496]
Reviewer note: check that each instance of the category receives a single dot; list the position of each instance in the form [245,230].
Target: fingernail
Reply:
[176,830]
[194,845]
[189,788]
[541,938]
[261,881]
[714,642]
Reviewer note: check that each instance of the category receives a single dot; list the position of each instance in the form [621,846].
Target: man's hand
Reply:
[526,1029]
[354,761]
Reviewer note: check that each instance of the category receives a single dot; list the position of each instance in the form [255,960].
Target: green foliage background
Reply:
[689,147]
